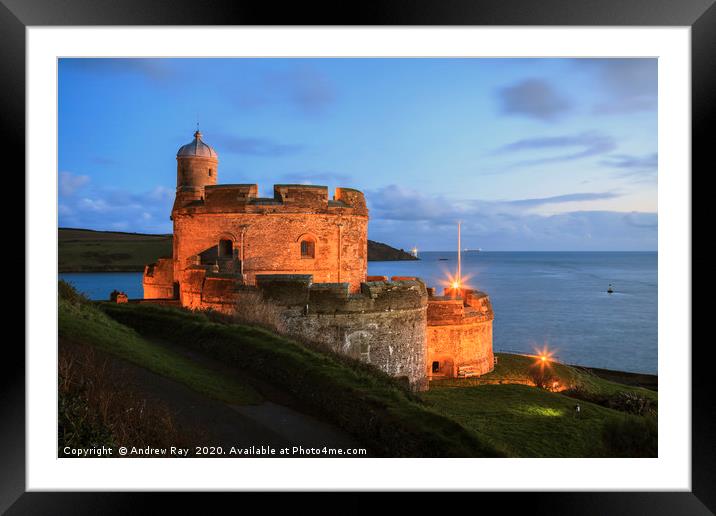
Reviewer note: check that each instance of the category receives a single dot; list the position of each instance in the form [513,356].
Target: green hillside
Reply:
[84,250]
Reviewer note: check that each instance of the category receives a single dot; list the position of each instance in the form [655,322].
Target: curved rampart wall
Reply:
[459,335]
[384,324]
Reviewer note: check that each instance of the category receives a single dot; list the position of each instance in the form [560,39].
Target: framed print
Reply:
[428,248]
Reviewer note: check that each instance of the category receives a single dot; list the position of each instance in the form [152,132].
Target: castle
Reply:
[305,257]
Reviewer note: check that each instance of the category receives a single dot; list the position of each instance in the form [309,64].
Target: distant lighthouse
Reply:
[414,252]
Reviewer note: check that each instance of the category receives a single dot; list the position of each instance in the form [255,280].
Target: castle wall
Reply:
[273,230]
[459,335]
[392,341]
[383,325]
[158,279]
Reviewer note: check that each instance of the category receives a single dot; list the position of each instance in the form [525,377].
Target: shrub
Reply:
[69,293]
[543,377]
[631,403]
[251,308]
[96,407]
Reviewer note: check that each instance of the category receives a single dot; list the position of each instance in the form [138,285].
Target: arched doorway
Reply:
[441,366]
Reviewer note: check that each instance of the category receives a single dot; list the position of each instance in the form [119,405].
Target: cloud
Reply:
[638,167]
[533,98]
[404,217]
[627,85]
[557,199]
[152,69]
[256,146]
[101,160]
[308,89]
[587,144]
[641,220]
[399,203]
[311,177]
[69,183]
[118,209]
[303,88]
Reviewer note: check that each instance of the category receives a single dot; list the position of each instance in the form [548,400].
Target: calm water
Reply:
[558,299]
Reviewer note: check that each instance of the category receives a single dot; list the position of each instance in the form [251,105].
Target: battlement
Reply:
[286,198]
[298,290]
[465,306]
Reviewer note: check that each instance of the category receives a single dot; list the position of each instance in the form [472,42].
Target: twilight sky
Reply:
[531,154]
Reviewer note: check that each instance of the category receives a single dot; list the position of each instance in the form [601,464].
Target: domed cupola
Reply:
[197,148]
[197,166]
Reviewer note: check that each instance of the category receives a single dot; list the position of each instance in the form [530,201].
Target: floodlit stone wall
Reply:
[459,335]
[298,231]
[384,324]
[158,279]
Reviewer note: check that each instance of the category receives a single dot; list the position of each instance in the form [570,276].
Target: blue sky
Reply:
[530,154]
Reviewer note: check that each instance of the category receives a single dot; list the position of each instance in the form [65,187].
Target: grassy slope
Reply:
[360,399]
[82,322]
[516,369]
[82,250]
[524,421]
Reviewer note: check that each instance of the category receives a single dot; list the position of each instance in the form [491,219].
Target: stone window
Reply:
[210,172]
[308,249]
[436,367]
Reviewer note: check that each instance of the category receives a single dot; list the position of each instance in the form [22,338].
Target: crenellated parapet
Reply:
[287,198]
[470,306]
[298,290]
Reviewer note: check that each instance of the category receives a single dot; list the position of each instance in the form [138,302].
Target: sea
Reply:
[556,301]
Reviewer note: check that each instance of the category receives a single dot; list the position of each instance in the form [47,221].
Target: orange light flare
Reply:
[544,357]
[455,285]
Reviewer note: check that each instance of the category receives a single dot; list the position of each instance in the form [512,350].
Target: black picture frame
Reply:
[700,15]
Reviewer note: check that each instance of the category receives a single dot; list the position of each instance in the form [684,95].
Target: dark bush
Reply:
[68,292]
[97,406]
[629,402]
[543,377]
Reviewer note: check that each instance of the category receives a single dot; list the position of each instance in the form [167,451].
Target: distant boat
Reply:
[443,259]
[610,290]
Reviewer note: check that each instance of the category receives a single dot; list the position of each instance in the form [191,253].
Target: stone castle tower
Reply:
[197,167]
[306,254]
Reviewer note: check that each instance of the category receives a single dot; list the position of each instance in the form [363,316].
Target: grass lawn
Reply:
[525,421]
[83,322]
[515,369]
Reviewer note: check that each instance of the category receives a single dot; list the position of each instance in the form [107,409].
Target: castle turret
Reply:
[197,167]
